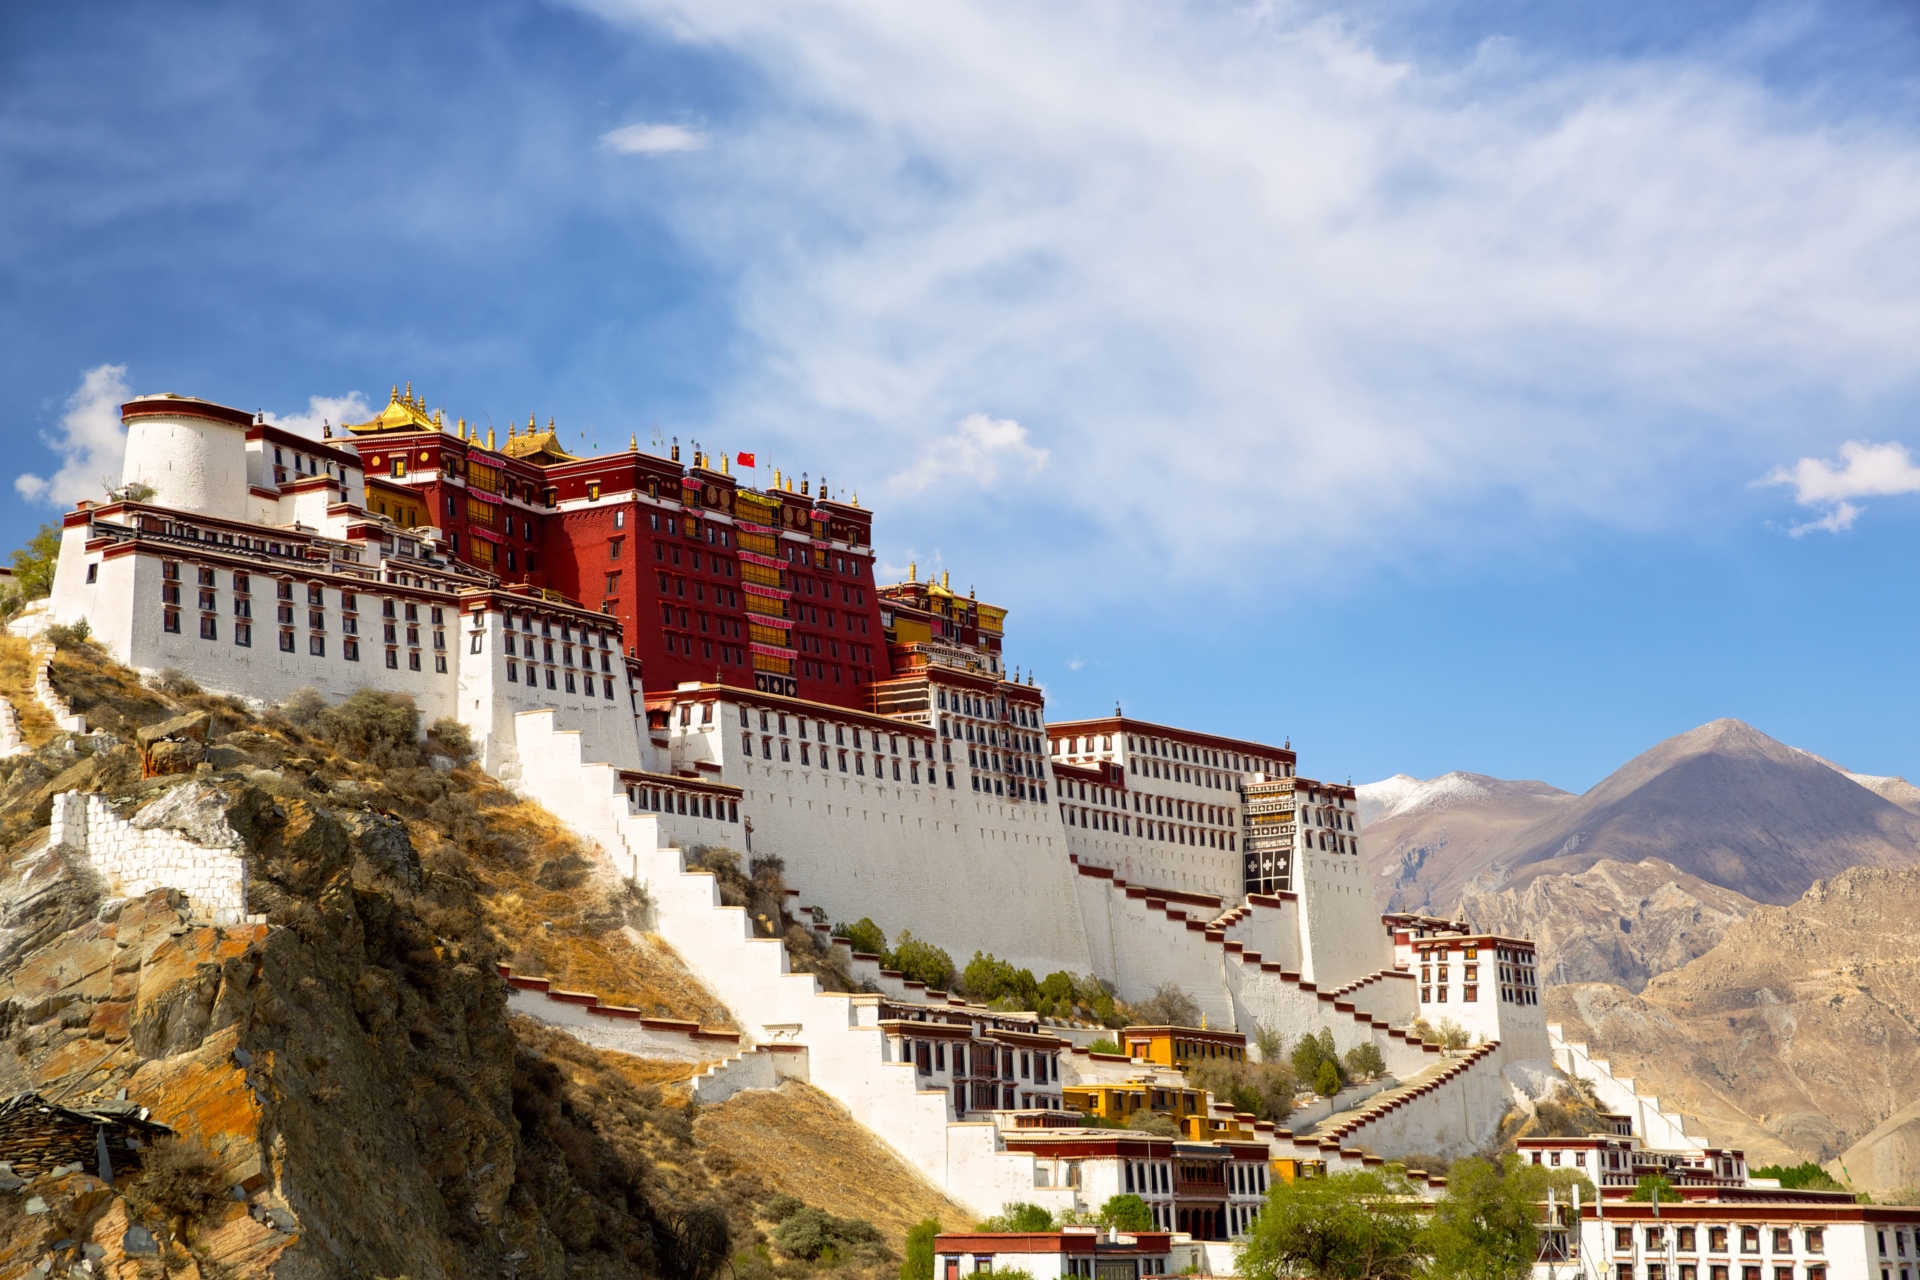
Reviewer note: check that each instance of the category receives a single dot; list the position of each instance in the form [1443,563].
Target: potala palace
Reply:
[667,658]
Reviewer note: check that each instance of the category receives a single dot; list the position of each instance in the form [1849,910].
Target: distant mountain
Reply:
[1796,1037]
[1417,832]
[1898,790]
[1614,922]
[1723,803]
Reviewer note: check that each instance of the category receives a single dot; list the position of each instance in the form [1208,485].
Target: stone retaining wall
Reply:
[137,860]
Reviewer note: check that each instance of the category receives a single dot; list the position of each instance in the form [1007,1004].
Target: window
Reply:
[286,639]
[350,649]
[317,646]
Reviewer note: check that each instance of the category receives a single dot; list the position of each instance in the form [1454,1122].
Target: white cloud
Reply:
[1240,255]
[322,411]
[979,451]
[90,442]
[1835,521]
[652,139]
[94,444]
[1865,469]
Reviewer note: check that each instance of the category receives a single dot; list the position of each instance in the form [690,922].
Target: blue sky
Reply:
[1403,378]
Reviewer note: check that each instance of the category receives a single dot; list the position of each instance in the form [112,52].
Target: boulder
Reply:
[192,725]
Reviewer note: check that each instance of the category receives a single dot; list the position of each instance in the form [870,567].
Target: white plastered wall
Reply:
[192,464]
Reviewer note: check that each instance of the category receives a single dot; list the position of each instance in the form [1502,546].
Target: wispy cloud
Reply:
[1236,251]
[322,411]
[979,451]
[1864,470]
[652,139]
[90,442]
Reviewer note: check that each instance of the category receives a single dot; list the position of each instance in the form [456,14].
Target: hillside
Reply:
[345,1060]
[1614,922]
[1723,803]
[1794,1036]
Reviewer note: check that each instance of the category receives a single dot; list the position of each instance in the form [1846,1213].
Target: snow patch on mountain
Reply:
[1403,796]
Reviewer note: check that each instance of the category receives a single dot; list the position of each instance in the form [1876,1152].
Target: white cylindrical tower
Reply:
[191,453]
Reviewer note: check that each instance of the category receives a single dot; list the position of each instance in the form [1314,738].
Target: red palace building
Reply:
[714,581]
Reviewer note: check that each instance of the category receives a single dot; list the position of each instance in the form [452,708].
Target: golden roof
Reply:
[403,413]
[537,447]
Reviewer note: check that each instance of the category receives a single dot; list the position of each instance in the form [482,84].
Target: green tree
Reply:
[33,564]
[1017,1215]
[918,1263]
[1806,1176]
[922,962]
[867,937]
[989,978]
[1365,1060]
[1485,1227]
[1347,1226]
[1311,1052]
[1106,1044]
[1326,1080]
[1653,1187]
[1268,1042]
[1126,1213]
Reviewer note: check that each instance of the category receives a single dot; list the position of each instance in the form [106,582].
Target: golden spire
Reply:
[913,571]
[460,428]
[395,397]
[856,497]
[533,423]
[489,437]
[633,445]
[726,464]
[945,584]
[439,423]
[409,391]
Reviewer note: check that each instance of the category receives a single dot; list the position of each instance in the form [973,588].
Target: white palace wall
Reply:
[962,871]
[1342,937]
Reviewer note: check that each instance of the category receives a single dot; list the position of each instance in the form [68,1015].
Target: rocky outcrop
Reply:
[1614,922]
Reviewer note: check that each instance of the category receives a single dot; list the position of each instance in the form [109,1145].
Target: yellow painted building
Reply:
[1119,1103]
[1181,1046]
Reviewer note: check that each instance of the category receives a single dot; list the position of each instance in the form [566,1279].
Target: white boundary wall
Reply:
[137,860]
[1656,1129]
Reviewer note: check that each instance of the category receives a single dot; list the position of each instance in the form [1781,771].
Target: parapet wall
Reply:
[137,860]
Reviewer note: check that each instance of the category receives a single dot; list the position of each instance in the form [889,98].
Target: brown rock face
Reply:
[1615,922]
[1796,1035]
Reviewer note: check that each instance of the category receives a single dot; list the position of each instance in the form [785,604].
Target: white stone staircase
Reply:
[772,1005]
[1656,1128]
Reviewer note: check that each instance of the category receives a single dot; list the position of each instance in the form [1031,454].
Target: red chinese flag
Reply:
[743,459]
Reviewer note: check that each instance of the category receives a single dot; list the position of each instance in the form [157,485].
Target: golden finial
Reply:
[633,444]
[549,426]
[913,571]
[945,582]
[489,437]
[439,424]
[460,428]
[726,464]
[533,424]
[395,397]
[409,391]
[856,497]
